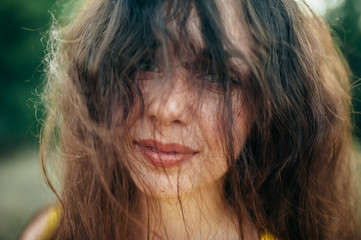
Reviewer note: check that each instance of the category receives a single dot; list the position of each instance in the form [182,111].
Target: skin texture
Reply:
[176,112]
[173,116]
[255,88]
[180,119]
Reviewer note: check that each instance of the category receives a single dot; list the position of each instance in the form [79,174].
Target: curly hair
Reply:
[293,176]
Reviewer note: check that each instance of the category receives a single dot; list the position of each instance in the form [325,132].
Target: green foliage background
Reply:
[23,26]
[345,20]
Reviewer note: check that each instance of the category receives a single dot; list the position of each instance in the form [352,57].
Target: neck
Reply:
[199,215]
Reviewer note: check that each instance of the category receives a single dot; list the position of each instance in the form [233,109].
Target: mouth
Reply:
[165,155]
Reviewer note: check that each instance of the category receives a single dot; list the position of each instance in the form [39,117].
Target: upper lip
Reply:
[166,147]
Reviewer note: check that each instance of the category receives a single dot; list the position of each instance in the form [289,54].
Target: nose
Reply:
[171,102]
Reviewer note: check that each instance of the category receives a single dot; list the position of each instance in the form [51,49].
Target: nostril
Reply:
[177,121]
[173,107]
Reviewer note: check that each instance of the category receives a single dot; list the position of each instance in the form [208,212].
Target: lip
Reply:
[165,155]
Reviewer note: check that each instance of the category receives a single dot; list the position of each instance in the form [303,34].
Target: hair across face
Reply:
[169,97]
[182,105]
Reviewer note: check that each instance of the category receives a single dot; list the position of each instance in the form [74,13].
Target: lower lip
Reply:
[164,160]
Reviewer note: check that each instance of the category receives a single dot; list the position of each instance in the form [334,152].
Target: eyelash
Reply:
[212,83]
[232,76]
[148,66]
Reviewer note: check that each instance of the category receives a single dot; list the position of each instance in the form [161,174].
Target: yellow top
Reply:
[53,217]
[267,236]
[52,220]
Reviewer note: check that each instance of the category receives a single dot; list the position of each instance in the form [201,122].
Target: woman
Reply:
[199,120]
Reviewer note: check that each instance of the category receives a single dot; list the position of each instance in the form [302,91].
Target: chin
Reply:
[180,184]
[164,187]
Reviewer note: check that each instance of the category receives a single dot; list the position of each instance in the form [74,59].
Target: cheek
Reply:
[210,123]
[214,127]
[240,130]
[241,123]
[136,111]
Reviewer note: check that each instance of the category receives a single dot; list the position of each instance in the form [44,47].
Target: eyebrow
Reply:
[207,55]
[236,65]
[204,56]
[205,52]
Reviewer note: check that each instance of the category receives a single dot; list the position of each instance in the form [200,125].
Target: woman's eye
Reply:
[213,83]
[235,80]
[148,66]
[210,78]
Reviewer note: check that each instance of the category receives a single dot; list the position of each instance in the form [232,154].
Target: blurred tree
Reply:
[21,25]
[345,20]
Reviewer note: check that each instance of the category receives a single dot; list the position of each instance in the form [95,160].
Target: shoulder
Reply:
[42,224]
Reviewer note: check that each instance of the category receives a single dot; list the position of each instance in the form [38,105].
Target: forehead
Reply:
[235,29]
[230,22]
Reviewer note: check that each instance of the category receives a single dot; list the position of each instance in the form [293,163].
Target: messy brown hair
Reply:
[293,176]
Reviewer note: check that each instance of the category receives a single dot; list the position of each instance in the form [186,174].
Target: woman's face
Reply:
[177,145]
